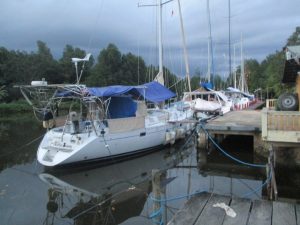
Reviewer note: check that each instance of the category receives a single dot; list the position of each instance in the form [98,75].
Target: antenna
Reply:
[75,61]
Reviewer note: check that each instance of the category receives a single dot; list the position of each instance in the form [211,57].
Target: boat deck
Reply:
[199,210]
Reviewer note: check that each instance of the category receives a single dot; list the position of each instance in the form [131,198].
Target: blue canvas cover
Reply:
[121,107]
[153,91]
[207,86]
[109,91]
[251,97]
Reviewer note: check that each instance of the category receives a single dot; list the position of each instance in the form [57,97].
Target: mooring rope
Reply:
[227,154]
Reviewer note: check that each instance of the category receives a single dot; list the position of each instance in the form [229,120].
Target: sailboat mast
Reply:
[234,66]
[209,44]
[187,69]
[160,47]
[229,36]
[242,67]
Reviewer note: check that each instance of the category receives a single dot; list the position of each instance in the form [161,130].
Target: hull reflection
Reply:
[108,194]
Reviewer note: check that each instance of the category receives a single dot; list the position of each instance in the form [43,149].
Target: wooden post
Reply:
[298,87]
[156,193]
[272,165]
[202,139]
[201,158]
[269,191]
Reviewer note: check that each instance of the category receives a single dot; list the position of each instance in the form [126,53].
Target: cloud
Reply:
[91,25]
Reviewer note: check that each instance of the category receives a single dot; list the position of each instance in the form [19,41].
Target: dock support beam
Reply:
[272,186]
[158,193]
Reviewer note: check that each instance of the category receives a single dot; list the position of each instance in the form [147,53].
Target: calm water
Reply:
[115,193]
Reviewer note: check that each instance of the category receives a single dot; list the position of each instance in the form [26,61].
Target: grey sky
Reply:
[92,24]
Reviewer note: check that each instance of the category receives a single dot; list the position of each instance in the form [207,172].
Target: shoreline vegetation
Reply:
[13,108]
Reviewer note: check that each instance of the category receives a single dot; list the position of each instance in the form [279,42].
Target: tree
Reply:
[45,66]
[107,70]
[3,92]
[255,77]
[68,68]
[294,39]
[133,70]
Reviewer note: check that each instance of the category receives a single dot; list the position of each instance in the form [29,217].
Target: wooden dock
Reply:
[236,122]
[199,210]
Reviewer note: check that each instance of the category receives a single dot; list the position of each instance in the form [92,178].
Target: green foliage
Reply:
[107,69]
[195,80]
[3,92]
[255,76]
[218,82]
[18,107]
[294,39]
[268,74]
[113,67]
[68,68]
[273,68]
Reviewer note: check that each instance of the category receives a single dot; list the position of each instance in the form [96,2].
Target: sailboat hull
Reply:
[58,149]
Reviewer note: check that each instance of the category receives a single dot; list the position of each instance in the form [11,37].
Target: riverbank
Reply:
[13,108]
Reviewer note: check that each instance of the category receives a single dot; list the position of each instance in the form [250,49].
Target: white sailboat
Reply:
[240,95]
[108,122]
[209,102]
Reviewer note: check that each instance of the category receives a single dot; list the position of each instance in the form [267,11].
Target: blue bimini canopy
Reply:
[153,91]
[110,91]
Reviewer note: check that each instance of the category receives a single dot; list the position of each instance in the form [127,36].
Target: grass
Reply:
[18,107]
[21,108]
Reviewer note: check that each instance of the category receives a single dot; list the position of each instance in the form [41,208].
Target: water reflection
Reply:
[121,192]
[109,194]
[116,193]
[19,138]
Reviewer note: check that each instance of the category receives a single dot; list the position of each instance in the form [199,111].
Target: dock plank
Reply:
[298,213]
[242,210]
[261,213]
[213,215]
[283,213]
[199,210]
[192,209]
[242,121]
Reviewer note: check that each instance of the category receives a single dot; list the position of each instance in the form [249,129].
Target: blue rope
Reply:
[156,213]
[260,187]
[230,156]
[175,198]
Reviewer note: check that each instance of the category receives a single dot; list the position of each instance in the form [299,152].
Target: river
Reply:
[114,192]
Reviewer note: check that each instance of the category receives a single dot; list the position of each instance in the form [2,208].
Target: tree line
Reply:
[112,67]
[267,75]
